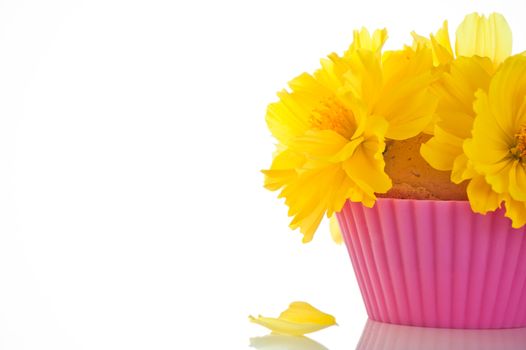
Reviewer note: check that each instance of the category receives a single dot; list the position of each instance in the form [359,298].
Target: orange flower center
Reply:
[331,114]
[519,150]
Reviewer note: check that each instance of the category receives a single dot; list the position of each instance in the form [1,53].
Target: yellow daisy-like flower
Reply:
[497,150]
[481,46]
[323,138]
[332,124]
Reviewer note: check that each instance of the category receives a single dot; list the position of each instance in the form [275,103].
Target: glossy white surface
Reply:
[132,213]
[383,336]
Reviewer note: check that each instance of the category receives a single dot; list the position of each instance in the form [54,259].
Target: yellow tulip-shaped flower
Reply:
[497,150]
[331,127]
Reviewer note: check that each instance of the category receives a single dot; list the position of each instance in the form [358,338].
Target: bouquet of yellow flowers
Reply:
[418,157]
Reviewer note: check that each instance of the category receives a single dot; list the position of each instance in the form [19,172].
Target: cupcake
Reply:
[420,156]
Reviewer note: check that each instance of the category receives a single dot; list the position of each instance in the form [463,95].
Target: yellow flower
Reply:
[454,114]
[395,87]
[299,319]
[331,127]
[323,139]
[497,149]
[481,45]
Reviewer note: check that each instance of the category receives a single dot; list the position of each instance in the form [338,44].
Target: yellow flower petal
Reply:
[481,197]
[312,194]
[506,97]
[364,78]
[288,117]
[320,144]
[406,101]
[441,150]
[366,169]
[442,46]
[486,37]
[516,211]
[456,90]
[363,40]
[517,181]
[491,143]
[462,169]
[283,169]
[336,233]
[439,43]
[299,319]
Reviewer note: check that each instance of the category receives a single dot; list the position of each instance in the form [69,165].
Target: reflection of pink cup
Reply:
[381,336]
[437,264]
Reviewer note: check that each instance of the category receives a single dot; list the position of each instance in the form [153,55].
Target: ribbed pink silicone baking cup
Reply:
[437,264]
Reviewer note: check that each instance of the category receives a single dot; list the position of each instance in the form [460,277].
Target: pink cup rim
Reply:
[383,199]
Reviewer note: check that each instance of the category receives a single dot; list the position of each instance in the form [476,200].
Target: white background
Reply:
[132,212]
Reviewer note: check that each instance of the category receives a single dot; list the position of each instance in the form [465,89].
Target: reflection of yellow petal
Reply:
[336,233]
[280,341]
[299,319]
[486,37]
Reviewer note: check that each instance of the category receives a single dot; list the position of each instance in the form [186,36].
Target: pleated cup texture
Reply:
[384,336]
[437,264]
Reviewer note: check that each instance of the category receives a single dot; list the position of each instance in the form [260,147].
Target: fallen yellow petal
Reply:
[299,319]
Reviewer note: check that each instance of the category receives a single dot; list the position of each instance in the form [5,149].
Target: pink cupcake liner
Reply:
[383,336]
[437,264]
